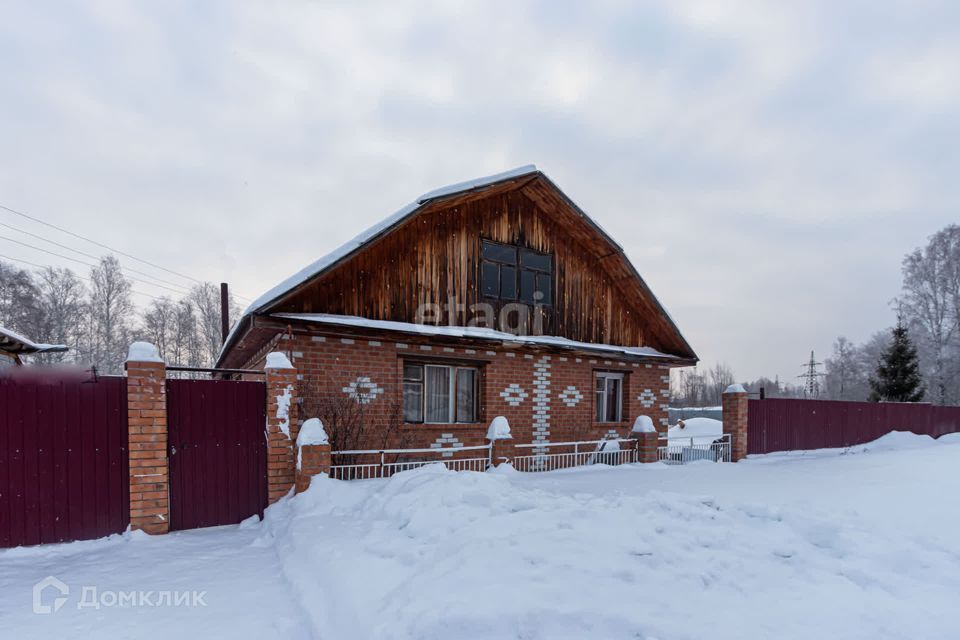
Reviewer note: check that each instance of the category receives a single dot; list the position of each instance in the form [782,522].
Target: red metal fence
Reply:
[777,424]
[63,459]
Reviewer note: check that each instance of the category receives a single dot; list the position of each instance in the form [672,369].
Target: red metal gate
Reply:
[63,459]
[218,452]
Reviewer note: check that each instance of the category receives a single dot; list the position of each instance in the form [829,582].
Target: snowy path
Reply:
[246,593]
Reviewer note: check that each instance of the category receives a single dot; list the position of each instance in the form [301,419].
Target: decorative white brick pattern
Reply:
[541,405]
[514,395]
[570,396]
[363,390]
[446,438]
[647,398]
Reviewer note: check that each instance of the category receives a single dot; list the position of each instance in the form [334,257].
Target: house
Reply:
[13,346]
[498,296]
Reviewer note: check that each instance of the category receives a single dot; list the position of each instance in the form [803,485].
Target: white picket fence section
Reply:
[366,464]
[581,453]
[384,469]
[684,450]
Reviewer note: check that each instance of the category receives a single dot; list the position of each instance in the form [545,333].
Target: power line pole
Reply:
[811,378]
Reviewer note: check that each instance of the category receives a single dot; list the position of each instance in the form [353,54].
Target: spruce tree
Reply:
[897,378]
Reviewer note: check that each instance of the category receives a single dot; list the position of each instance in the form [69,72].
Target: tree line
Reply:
[918,359]
[96,318]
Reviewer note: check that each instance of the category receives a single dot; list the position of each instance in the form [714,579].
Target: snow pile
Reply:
[499,429]
[718,551]
[735,388]
[701,429]
[277,360]
[143,352]
[643,424]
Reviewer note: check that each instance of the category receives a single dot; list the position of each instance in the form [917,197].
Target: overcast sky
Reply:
[764,166]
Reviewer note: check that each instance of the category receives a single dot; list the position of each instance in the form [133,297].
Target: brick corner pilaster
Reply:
[735,420]
[147,448]
[281,426]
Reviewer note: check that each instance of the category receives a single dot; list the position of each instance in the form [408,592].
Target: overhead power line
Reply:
[99,244]
[89,255]
[87,264]
[108,248]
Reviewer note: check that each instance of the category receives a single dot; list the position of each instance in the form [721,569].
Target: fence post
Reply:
[501,442]
[735,420]
[281,425]
[647,439]
[313,453]
[149,478]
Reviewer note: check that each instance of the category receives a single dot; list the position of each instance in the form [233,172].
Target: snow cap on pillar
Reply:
[143,352]
[312,433]
[643,424]
[735,388]
[277,360]
[499,429]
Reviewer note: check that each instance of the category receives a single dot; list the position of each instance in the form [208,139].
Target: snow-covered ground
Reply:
[859,543]
[700,429]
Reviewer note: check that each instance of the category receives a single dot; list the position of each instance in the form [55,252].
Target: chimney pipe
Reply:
[224,312]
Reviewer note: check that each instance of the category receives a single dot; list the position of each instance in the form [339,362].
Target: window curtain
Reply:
[438,394]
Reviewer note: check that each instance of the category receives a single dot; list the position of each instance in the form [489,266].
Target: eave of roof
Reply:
[479,333]
[13,342]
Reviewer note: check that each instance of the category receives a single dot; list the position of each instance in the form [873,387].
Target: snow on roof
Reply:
[14,342]
[376,230]
[478,333]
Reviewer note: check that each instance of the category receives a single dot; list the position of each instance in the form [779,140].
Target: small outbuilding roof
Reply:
[13,342]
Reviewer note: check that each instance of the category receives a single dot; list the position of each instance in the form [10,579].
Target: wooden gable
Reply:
[433,258]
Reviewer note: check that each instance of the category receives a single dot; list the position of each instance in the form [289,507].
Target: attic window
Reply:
[509,272]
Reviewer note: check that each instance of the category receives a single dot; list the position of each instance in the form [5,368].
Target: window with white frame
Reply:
[435,393]
[609,396]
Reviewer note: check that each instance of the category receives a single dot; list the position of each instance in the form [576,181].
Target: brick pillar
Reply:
[281,425]
[147,433]
[648,439]
[735,420]
[312,459]
[313,453]
[501,442]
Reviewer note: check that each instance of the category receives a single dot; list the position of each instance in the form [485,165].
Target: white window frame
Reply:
[452,390]
[601,401]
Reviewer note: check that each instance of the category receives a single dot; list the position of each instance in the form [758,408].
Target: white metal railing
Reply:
[584,452]
[381,468]
[684,450]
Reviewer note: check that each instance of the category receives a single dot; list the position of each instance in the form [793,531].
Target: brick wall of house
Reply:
[545,397]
